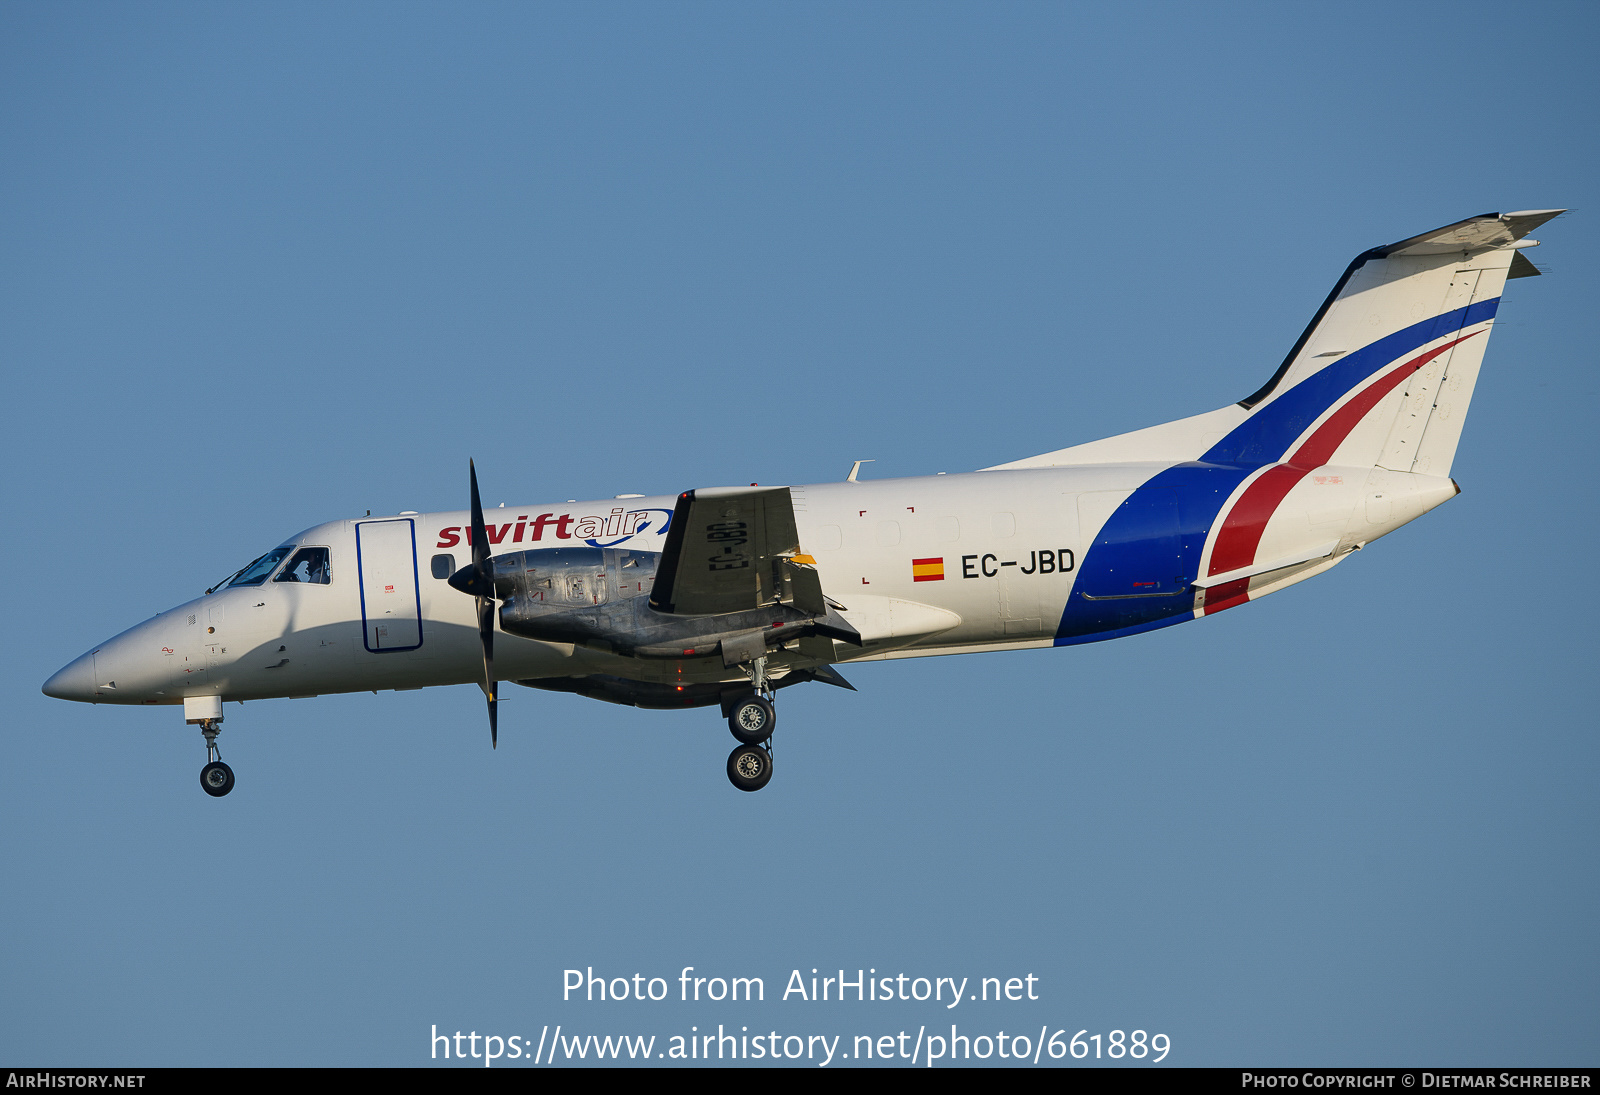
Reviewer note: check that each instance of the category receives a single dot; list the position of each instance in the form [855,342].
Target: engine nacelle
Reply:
[599,597]
[543,581]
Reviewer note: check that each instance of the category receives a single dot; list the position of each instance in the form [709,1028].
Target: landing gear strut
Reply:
[751,718]
[216,778]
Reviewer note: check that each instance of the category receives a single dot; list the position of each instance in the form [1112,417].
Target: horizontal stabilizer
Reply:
[1526,220]
[1472,234]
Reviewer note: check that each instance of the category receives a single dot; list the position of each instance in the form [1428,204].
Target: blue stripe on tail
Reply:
[1137,537]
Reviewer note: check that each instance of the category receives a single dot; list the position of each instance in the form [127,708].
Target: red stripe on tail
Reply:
[1241,530]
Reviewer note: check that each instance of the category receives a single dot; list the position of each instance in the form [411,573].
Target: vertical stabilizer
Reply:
[1381,377]
[1394,350]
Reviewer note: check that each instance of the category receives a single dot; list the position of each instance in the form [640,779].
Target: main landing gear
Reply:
[749,767]
[751,718]
[216,778]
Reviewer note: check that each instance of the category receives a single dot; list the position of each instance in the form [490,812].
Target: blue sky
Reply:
[269,265]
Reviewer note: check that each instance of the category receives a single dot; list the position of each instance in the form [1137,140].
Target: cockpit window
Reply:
[309,565]
[256,572]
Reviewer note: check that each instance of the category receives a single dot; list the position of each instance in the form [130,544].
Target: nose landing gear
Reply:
[216,778]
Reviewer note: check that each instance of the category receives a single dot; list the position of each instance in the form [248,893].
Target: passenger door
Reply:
[391,605]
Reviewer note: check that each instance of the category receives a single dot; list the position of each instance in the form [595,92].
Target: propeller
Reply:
[477,579]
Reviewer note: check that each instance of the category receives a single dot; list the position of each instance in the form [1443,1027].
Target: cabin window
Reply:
[309,566]
[258,571]
[444,566]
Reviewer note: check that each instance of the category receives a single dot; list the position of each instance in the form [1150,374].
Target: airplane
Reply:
[726,595]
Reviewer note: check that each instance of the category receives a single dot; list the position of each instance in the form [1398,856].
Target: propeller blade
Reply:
[486,628]
[478,580]
[486,633]
[480,538]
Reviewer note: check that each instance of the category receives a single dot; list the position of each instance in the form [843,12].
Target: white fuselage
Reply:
[932,565]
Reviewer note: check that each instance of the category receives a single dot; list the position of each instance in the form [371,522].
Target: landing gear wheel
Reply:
[750,767]
[751,720]
[216,779]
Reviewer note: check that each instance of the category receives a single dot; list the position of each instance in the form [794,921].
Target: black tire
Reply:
[752,720]
[216,779]
[749,767]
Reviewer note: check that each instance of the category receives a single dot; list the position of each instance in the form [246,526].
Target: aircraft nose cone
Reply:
[74,681]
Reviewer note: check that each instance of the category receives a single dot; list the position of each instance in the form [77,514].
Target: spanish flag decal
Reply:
[927,570]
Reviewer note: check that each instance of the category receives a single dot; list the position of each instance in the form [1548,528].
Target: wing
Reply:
[731,549]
